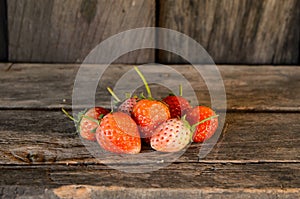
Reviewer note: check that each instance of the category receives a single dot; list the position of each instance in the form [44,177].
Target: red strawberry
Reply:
[177,105]
[118,133]
[127,105]
[88,121]
[171,136]
[207,128]
[148,114]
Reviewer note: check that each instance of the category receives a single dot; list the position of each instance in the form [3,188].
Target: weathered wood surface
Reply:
[66,31]
[254,88]
[5,67]
[3,32]
[188,179]
[241,32]
[48,137]
[115,192]
[257,154]
[95,192]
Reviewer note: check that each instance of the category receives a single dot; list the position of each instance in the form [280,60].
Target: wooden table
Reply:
[257,154]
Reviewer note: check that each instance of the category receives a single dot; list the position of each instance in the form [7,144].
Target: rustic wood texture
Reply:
[94,192]
[183,179]
[79,191]
[3,32]
[29,137]
[256,156]
[66,31]
[254,88]
[5,67]
[241,32]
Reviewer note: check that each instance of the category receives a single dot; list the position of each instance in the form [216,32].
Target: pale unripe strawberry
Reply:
[127,105]
[171,136]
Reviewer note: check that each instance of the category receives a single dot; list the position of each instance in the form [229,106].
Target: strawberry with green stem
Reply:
[174,134]
[118,133]
[178,105]
[149,113]
[204,130]
[88,121]
[125,106]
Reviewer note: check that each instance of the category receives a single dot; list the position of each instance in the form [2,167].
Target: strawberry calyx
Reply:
[81,115]
[91,119]
[194,126]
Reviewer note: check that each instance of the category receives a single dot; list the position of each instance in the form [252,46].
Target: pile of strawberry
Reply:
[168,125]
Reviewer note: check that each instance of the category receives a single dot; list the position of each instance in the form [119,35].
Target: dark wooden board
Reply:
[196,179]
[240,32]
[66,31]
[3,32]
[48,137]
[248,88]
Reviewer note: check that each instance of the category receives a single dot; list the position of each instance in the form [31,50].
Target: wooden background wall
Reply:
[232,31]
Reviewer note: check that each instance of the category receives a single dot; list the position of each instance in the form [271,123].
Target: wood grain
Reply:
[241,32]
[49,137]
[5,67]
[248,88]
[3,32]
[256,156]
[197,179]
[66,31]
[78,191]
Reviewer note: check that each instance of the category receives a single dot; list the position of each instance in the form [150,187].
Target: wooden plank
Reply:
[196,179]
[48,137]
[254,88]
[94,192]
[3,31]
[66,31]
[102,192]
[240,32]
[5,67]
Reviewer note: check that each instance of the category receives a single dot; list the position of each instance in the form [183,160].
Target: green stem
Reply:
[127,95]
[202,121]
[180,90]
[144,81]
[113,94]
[67,114]
[92,119]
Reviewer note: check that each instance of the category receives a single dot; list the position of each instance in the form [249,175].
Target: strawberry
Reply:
[88,121]
[127,105]
[178,105]
[118,133]
[209,125]
[148,114]
[87,126]
[171,136]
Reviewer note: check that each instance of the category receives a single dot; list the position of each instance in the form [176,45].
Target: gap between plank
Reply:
[85,164]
